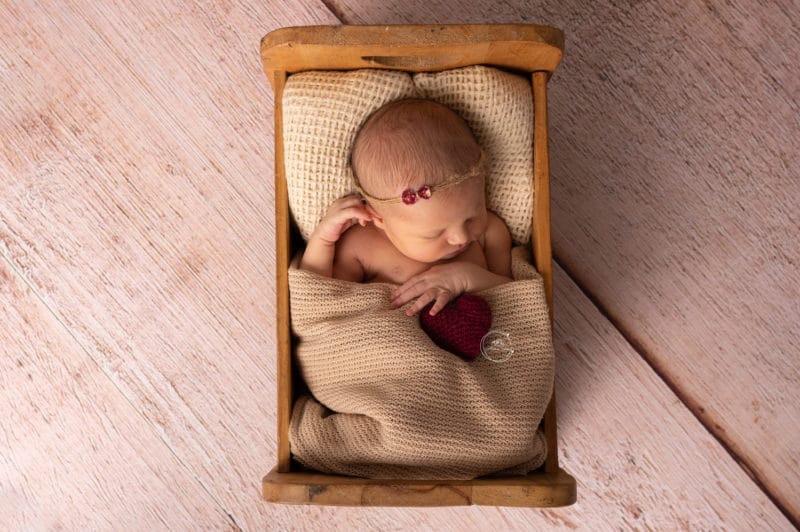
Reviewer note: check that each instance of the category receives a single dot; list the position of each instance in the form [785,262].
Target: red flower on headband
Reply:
[410,195]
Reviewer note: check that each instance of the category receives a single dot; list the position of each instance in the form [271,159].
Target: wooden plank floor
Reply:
[136,260]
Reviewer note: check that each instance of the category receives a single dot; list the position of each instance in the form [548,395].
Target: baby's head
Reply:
[409,143]
[420,169]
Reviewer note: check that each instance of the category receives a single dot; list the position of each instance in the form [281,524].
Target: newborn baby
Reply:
[420,219]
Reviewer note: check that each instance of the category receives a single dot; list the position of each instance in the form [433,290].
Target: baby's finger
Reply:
[364,216]
[442,300]
[362,212]
[411,288]
[407,292]
[352,213]
[420,303]
[399,301]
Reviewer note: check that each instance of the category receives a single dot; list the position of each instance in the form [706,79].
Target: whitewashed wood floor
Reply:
[136,264]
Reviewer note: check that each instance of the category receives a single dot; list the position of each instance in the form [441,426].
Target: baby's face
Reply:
[438,228]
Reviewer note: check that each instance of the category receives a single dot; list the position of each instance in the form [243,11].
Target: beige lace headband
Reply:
[410,196]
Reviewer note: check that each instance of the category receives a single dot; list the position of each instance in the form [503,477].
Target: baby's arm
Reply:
[497,247]
[443,282]
[321,249]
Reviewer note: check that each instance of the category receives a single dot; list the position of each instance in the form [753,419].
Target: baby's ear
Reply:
[377,219]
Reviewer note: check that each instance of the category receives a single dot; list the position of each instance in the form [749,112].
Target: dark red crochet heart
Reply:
[460,326]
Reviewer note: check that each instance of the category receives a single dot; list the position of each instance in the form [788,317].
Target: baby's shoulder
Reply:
[349,261]
[358,236]
[497,246]
[358,243]
[369,248]
[496,228]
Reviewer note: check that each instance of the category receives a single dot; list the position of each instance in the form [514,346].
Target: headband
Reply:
[410,196]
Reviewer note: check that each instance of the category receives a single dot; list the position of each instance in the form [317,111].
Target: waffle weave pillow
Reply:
[322,112]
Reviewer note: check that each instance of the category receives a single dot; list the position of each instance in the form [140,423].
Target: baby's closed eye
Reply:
[432,236]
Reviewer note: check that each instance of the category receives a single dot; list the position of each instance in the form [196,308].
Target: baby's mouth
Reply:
[457,252]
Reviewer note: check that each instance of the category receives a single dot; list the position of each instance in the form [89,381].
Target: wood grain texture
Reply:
[415,48]
[675,143]
[283,354]
[135,164]
[71,445]
[642,460]
[135,167]
[541,236]
[538,490]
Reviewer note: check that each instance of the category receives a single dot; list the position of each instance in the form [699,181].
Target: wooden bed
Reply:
[522,48]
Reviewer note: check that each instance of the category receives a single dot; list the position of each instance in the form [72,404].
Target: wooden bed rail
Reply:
[413,48]
[540,235]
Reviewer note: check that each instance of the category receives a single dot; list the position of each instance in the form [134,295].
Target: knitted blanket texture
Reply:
[386,402]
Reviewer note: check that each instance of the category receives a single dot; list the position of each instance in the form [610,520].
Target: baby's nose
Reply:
[458,237]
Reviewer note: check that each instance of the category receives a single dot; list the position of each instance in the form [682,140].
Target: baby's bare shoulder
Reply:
[357,237]
[496,228]
[375,254]
[348,260]
[356,252]
[498,246]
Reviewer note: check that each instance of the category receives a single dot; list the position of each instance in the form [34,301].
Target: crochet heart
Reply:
[460,326]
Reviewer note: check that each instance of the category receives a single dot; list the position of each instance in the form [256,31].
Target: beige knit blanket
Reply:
[388,403]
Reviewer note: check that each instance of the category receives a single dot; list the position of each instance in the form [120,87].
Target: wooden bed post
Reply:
[540,236]
[282,243]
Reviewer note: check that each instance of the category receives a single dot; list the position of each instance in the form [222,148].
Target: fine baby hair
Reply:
[411,148]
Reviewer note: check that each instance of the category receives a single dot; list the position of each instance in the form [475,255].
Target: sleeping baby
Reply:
[420,219]
[385,400]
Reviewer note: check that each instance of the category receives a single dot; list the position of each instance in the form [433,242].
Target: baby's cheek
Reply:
[418,250]
[434,251]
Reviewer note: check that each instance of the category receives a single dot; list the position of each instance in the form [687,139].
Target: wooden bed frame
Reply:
[523,48]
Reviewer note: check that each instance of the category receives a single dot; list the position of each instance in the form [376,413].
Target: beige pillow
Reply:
[323,110]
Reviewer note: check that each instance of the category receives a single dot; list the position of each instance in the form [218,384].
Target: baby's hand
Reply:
[440,283]
[319,254]
[341,216]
